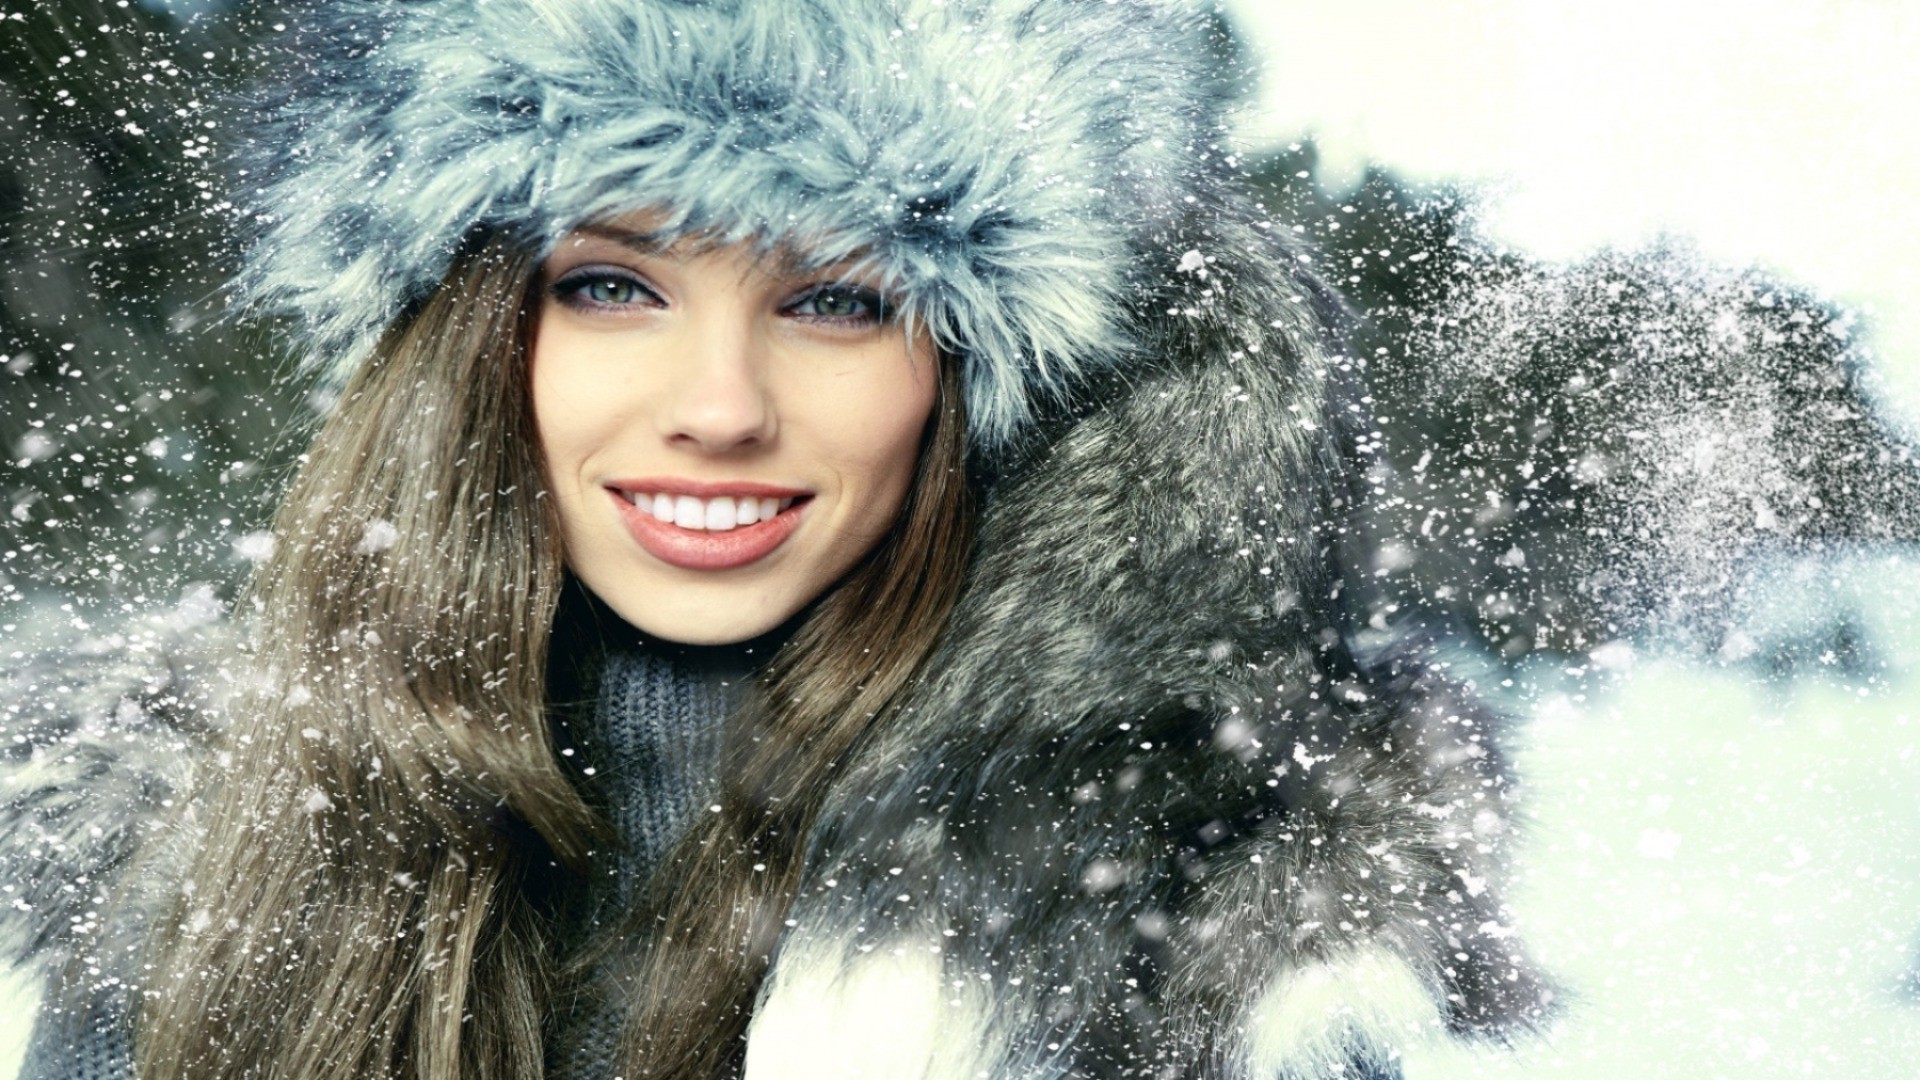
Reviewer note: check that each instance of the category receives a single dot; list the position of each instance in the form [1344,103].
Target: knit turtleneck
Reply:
[650,747]
[645,732]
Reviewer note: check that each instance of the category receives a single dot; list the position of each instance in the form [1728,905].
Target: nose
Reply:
[720,401]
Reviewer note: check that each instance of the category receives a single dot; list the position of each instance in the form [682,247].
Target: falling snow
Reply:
[1646,498]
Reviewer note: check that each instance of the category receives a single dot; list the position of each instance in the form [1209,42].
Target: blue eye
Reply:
[612,291]
[842,304]
[597,288]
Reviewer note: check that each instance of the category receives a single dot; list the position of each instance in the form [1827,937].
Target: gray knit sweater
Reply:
[645,729]
[652,740]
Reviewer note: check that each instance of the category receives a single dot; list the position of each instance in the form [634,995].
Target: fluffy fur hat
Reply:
[1003,163]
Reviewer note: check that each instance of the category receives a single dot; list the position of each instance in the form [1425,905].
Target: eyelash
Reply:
[877,309]
[572,290]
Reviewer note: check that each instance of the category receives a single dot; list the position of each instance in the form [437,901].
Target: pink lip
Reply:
[696,549]
[699,489]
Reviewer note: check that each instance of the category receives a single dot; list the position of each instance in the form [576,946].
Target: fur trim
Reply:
[889,1013]
[1004,163]
[101,730]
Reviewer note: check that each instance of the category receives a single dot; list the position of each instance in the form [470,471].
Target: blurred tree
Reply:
[137,438]
[1561,454]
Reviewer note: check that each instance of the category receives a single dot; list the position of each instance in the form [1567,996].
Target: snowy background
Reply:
[1725,862]
[1778,131]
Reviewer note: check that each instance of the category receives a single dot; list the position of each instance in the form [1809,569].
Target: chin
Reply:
[701,621]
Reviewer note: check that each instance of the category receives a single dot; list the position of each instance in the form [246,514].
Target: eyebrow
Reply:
[782,261]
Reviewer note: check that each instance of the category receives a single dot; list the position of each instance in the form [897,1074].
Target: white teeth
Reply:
[709,515]
[689,513]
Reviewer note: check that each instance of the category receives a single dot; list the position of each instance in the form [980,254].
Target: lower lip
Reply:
[696,549]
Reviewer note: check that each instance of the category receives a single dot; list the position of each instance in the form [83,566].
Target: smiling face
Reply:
[723,440]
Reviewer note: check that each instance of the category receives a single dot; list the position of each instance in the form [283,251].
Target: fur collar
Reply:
[99,728]
[1150,814]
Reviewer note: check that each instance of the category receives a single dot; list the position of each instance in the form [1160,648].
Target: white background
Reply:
[1725,871]
[1783,132]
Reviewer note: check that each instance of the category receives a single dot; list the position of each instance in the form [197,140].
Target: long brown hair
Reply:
[368,891]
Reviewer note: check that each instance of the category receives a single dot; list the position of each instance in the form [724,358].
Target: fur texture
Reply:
[1148,794]
[1002,162]
[98,731]
[1148,813]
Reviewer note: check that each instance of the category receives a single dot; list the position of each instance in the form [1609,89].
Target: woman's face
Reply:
[724,441]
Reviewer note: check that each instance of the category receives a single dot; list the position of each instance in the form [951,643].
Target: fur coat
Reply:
[1151,812]
[1154,811]
[1164,803]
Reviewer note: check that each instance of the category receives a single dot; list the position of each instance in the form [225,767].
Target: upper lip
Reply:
[706,489]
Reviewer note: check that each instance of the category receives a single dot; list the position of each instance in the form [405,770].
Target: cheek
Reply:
[549,397]
[578,399]
[880,440]
[567,416]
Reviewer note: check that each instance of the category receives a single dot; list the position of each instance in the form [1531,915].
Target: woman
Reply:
[1103,789]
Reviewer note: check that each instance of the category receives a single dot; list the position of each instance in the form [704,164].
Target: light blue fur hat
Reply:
[1008,165]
